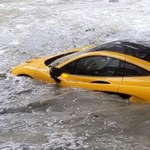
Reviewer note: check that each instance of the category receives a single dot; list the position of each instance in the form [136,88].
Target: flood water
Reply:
[39,116]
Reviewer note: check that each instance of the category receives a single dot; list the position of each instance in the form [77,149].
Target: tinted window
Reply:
[69,67]
[66,58]
[141,51]
[50,60]
[137,50]
[133,70]
[120,69]
[97,66]
[111,47]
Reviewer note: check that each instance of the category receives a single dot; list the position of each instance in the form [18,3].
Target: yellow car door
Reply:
[96,72]
[136,80]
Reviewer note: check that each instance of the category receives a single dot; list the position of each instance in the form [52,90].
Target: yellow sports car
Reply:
[118,67]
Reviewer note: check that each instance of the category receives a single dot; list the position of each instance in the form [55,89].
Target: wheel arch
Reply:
[24,75]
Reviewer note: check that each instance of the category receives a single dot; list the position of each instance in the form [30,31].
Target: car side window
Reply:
[97,66]
[69,67]
[133,70]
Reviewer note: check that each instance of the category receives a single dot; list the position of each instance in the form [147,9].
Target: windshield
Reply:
[65,58]
[50,60]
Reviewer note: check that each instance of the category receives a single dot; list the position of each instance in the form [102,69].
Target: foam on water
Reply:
[37,115]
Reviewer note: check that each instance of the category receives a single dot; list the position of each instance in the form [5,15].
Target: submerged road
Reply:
[41,116]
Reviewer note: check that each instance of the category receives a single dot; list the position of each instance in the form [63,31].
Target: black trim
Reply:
[100,82]
[50,60]
[54,77]
[24,75]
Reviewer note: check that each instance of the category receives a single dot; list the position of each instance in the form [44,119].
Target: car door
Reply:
[136,80]
[94,72]
[42,72]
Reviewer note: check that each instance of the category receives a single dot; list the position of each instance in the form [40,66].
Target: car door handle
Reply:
[101,82]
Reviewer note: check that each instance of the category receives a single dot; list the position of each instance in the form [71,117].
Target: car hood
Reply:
[33,65]
[38,63]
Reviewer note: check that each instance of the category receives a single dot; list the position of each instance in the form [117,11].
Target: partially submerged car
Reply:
[118,67]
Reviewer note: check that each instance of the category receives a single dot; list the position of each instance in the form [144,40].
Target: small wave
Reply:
[3,76]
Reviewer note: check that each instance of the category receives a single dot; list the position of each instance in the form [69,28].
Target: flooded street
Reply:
[40,116]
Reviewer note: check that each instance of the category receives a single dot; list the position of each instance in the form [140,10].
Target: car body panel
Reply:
[140,92]
[110,84]
[139,62]
[25,69]
[138,87]
[43,74]
[85,82]
[34,67]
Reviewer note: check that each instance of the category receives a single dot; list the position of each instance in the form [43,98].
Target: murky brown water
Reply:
[41,116]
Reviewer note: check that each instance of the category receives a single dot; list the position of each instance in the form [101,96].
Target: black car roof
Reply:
[137,50]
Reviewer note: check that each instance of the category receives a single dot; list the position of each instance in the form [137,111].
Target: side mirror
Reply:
[55,72]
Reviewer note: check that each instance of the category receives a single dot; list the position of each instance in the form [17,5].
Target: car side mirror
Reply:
[55,73]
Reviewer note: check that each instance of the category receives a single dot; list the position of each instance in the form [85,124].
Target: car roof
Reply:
[138,50]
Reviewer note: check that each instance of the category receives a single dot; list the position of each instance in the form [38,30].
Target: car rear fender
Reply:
[136,99]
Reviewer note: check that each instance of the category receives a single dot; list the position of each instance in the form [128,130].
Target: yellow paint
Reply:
[36,68]
[64,75]
[137,87]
